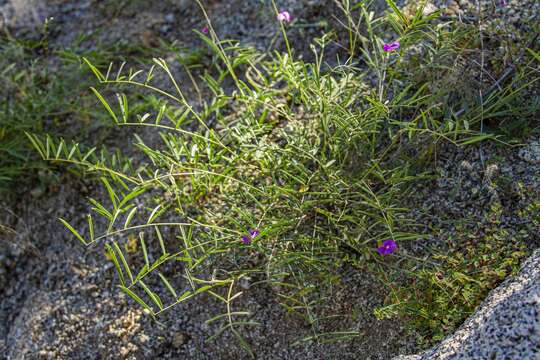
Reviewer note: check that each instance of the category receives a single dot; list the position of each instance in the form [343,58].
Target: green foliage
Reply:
[45,91]
[37,96]
[439,298]
[317,157]
[437,293]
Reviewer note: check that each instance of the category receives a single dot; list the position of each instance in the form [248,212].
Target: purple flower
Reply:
[391,46]
[387,247]
[252,235]
[504,3]
[205,30]
[284,16]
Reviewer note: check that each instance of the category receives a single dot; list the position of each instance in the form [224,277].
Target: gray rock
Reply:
[505,326]
[169,18]
[531,153]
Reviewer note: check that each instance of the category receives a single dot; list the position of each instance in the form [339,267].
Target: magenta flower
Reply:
[284,16]
[205,30]
[391,46]
[252,235]
[387,247]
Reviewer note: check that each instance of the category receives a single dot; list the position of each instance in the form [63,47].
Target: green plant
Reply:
[437,292]
[439,297]
[35,98]
[316,158]
[44,90]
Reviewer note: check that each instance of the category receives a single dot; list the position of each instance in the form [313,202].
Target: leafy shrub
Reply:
[286,171]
